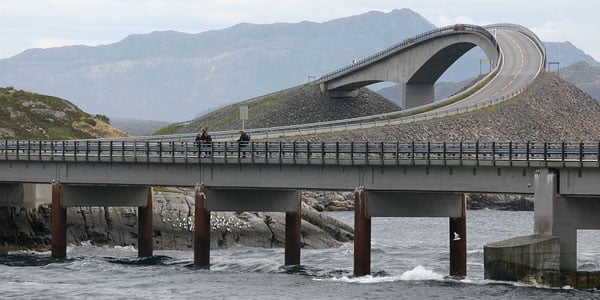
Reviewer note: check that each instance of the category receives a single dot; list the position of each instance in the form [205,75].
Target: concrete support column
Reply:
[545,192]
[458,242]
[417,94]
[362,235]
[293,234]
[145,228]
[201,230]
[572,213]
[59,223]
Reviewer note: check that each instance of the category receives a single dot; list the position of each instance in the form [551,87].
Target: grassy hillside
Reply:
[25,115]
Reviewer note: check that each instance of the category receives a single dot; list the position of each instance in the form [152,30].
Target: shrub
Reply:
[103,118]
[90,121]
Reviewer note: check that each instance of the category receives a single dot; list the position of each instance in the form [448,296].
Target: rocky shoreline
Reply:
[27,228]
[344,201]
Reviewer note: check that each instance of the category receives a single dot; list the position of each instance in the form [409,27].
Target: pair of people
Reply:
[204,141]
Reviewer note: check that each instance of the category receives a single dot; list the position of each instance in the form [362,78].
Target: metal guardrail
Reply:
[527,154]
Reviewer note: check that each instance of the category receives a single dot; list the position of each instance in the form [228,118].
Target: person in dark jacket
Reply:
[204,141]
[243,141]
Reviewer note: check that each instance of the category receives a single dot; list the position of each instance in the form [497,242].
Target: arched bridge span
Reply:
[416,63]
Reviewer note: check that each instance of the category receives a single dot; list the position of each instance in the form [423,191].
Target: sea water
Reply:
[409,260]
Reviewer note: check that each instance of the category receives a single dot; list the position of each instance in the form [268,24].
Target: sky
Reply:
[26,24]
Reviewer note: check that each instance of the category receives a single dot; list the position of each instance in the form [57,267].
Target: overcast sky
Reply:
[28,24]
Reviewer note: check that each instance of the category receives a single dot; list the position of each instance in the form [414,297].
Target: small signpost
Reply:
[557,67]
[243,115]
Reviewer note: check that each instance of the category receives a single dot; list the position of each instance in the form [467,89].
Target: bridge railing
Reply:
[527,154]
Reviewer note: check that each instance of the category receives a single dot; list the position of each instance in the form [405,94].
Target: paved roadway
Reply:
[522,61]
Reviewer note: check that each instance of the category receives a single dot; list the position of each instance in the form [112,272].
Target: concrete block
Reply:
[526,258]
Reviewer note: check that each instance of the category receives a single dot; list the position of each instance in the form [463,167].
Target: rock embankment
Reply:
[298,105]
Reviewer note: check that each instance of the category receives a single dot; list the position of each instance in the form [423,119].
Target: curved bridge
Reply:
[418,62]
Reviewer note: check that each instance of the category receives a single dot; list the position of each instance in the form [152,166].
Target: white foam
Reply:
[361,279]
[418,273]
[421,273]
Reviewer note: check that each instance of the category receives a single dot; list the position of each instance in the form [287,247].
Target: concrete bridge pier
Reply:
[458,242]
[293,236]
[145,228]
[201,230]
[218,199]
[362,234]
[64,196]
[59,223]
[417,94]
[562,206]
[409,204]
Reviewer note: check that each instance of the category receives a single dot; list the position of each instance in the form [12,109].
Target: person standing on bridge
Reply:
[204,141]
[243,142]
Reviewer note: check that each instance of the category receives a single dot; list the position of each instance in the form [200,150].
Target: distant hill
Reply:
[174,76]
[566,54]
[137,127]
[25,115]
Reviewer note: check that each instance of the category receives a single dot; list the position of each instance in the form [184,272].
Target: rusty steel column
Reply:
[145,240]
[293,235]
[458,242]
[201,230]
[59,223]
[362,235]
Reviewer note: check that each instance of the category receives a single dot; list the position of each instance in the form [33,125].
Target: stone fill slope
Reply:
[298,105]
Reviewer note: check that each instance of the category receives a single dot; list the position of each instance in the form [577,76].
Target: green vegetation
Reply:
[90,121]
[102,118]
[26,115]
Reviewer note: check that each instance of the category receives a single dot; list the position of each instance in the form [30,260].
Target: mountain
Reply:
[585,76]
[174,76]
[26,115]
[566,54]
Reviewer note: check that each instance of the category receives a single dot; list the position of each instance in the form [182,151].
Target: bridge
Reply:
[390,179]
